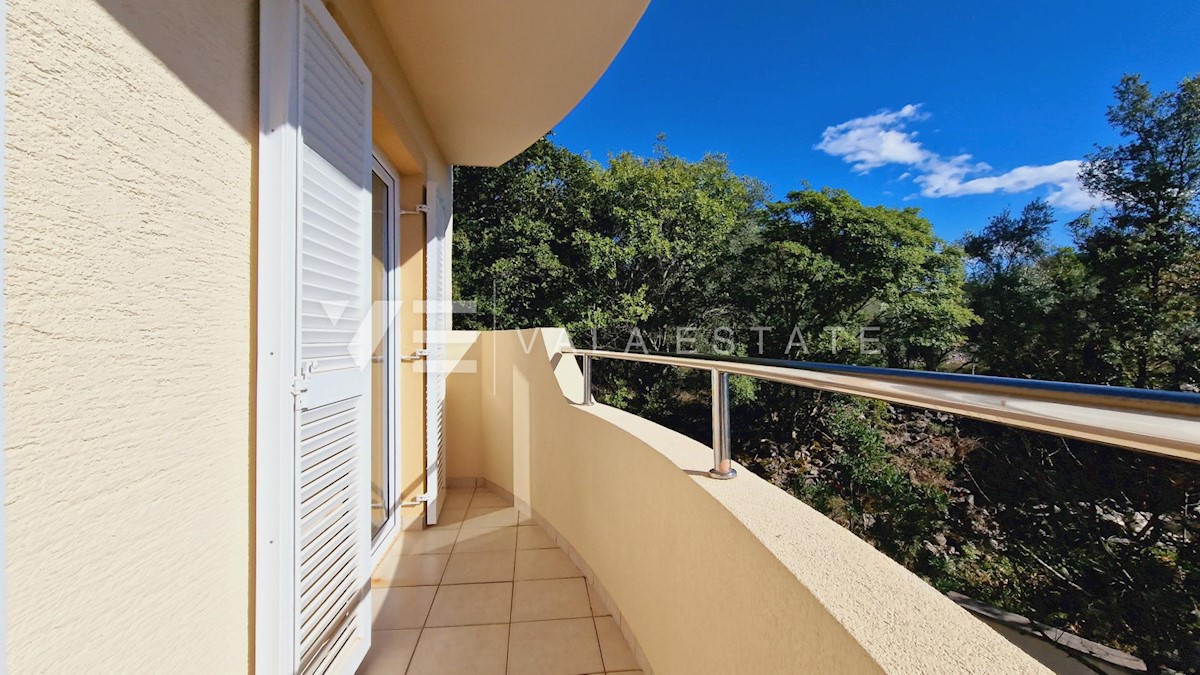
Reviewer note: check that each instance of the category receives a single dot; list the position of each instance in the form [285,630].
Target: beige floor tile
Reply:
[550,599]
[424,542]
[470,604]
[598,606]
[488,499]
[476,539]
[461,650]
[451,518]
[400,606]
[474,568]
[532,536]
[410,570]
[491,517]
[564,647]
[457,498]
[613,647]
[545,563]
[390,652]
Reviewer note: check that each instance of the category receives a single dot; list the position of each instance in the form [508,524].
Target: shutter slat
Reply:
[324,609]
[317,430]
[314,454]
[332,554]
[327,203]
[324,274]
[336,479]
[328,661]
[326,521]
[328,245]
[320,293]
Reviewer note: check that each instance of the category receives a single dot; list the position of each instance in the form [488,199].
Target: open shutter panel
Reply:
[332,557]
[437,325]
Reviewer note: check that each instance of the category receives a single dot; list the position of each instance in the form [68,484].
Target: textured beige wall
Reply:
[464,446]
[411,325]
[711,576]
[130,131]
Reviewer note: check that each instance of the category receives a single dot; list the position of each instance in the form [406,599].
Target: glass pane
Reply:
[380,470]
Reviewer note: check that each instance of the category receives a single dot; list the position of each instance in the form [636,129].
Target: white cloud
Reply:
[873,141]
[881,139]
[1072,196]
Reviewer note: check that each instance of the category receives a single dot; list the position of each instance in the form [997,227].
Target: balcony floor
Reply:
[487,591]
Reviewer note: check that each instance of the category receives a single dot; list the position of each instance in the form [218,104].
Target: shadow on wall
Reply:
[211,46]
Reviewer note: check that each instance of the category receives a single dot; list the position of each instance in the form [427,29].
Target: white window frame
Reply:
[279,22]
[391,529]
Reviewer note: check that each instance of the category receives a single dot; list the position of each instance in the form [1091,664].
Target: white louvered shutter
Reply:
[437,326]
[333,287]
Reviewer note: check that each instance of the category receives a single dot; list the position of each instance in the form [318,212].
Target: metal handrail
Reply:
[1159,422]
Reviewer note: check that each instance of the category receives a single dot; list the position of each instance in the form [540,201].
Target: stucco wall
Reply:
[710,576]
[464,456]
[129,187]
[411,325]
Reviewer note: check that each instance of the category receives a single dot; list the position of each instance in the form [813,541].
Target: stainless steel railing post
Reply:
[587,380]
[722,460]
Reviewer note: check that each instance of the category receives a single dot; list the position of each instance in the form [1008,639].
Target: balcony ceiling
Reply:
[493,76]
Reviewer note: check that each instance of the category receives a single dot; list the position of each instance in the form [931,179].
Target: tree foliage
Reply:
[823,259]
[1143,249]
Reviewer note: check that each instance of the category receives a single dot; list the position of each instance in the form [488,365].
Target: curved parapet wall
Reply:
[709,576]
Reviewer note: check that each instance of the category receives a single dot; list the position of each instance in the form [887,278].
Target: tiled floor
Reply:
[487,591]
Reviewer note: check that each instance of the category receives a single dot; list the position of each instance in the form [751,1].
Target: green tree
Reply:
[515,250]
[1008,242]
[1032,302]
[1142,248]
[664,231]
[552,238]
[827,260]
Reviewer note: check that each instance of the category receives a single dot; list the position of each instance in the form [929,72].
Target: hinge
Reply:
[299,388]
[421,499]
[299,385]
[416,356]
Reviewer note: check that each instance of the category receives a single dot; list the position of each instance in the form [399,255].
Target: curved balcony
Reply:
[701,575]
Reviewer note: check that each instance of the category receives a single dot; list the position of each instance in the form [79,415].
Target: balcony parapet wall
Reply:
[709,576]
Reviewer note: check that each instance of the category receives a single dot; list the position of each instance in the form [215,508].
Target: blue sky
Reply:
[886,98]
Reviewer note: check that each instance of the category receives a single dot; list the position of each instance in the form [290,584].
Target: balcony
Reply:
[696,575]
